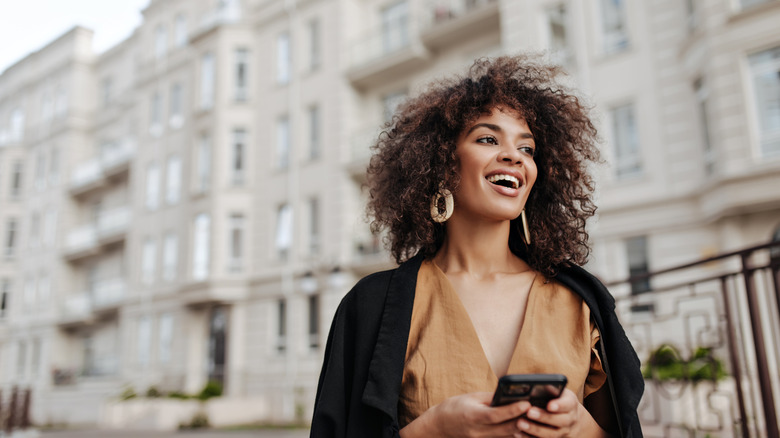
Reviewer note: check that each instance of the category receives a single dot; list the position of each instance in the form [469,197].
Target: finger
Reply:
[565,403]
[555,420]
[532,428]
[501,414]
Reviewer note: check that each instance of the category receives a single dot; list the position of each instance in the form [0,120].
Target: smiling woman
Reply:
[481,182]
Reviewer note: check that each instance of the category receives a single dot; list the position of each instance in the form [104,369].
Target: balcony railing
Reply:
[108,293]
[113,158]
[442,11]
[705,336]
[78,307]
[110,226]
[390,38]
[446,23]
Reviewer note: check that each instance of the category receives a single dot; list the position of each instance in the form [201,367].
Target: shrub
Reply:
[128,393]
[665,363]
[179,395]
[153,392]
[212,389]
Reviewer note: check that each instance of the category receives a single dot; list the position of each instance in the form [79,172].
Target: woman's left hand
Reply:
[564,417]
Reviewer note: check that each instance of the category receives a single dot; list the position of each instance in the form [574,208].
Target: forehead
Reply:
[498,118]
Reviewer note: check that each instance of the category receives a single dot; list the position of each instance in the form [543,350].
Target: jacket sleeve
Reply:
[332,403]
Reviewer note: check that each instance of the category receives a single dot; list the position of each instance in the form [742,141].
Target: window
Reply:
[281,328]
[613,26]
[180,30]
[166,337]
[176,117]
[29,293]
[144,339]
[314,321]
[702,97]
[692,12]
[765,72]
[749,3]
[10,238]
[390,103]
[173,180]
[395,27]
[160,41]
[35,360]
[314,44]
[283,142]
[152,187]
[283,231]
[148,261]
[236,239]
[47,106]
[638,264]
[242,74]
[200,255]
[17,125]
[44,290]
[21,358]
[203,163]
[207,81]
[314,132]
[49,227]
[314,226]
[16,179]
[558,33]
[35,230]
[106,89]
[238,162]
[5,294]
[61,102]
[40,171]
[628,159]
[54,166]
[170,256]
[155,114]
[283,58]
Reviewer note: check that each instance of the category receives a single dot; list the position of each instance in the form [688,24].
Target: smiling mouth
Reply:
[508,181]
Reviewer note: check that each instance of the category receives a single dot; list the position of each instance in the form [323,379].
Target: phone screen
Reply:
[538,389]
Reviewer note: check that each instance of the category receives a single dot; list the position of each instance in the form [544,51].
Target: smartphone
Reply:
[538,389]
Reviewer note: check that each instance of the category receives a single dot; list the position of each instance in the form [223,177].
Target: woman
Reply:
[482,185]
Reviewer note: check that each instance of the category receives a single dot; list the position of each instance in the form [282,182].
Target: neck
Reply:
[480,248]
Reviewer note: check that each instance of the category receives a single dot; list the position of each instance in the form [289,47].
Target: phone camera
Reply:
[519,389]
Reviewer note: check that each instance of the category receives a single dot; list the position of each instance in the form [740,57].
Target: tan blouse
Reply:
[444,356]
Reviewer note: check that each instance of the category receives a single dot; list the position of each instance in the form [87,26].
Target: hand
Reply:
[564,417]
[468,415]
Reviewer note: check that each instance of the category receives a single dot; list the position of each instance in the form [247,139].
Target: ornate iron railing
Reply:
[707,333]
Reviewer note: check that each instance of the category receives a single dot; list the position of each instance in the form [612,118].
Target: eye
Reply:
[528,150]
[487,139]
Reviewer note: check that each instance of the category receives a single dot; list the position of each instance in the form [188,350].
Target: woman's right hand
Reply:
[467,415]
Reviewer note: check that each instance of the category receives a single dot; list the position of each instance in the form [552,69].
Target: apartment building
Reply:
[188,206]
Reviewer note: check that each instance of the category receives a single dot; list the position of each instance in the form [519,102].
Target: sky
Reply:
[28,25]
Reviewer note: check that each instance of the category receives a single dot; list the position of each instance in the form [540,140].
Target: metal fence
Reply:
[15,410]
[707,334]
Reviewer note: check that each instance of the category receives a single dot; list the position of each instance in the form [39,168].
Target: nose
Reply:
[510,154]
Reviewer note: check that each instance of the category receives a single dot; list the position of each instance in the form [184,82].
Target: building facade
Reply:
[189,206]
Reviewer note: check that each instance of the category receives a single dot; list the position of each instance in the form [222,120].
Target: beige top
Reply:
[444,356]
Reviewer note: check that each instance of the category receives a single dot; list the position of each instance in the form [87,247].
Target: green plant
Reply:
[153,392]
[179,395]
[128,393]
[212,389]
[665,363]
[200,420]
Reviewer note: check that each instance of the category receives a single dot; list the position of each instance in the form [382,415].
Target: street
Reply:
[255,433]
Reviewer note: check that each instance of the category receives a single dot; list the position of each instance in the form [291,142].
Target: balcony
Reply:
[101,301]
[369,255]
[447,23]
[90,239]
[386,54]
[230,13]
[113,161]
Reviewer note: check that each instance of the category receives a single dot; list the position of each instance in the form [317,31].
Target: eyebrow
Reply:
[495,128]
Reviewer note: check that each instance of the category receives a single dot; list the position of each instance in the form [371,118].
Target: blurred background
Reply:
[181,201]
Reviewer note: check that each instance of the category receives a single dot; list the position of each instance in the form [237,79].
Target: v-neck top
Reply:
[444,356]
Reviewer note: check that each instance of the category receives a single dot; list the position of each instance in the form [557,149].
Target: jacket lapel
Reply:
[385,371]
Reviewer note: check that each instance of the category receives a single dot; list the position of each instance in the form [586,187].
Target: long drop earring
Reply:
[449,206]
[526,233]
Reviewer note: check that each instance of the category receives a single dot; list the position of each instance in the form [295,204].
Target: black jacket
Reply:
[358,390]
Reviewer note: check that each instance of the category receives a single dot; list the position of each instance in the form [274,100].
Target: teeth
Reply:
[496,178]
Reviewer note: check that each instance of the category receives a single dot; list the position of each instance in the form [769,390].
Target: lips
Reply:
[504,180]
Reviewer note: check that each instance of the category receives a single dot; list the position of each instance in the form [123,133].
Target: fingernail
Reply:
[524,425]
[553,407]
[533,413]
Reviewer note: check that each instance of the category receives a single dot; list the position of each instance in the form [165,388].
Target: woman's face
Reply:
[497,169]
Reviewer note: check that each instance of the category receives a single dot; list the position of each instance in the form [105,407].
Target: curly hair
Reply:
[415,155]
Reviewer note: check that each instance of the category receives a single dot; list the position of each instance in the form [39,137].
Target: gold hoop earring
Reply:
[449,206]
[526,233]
